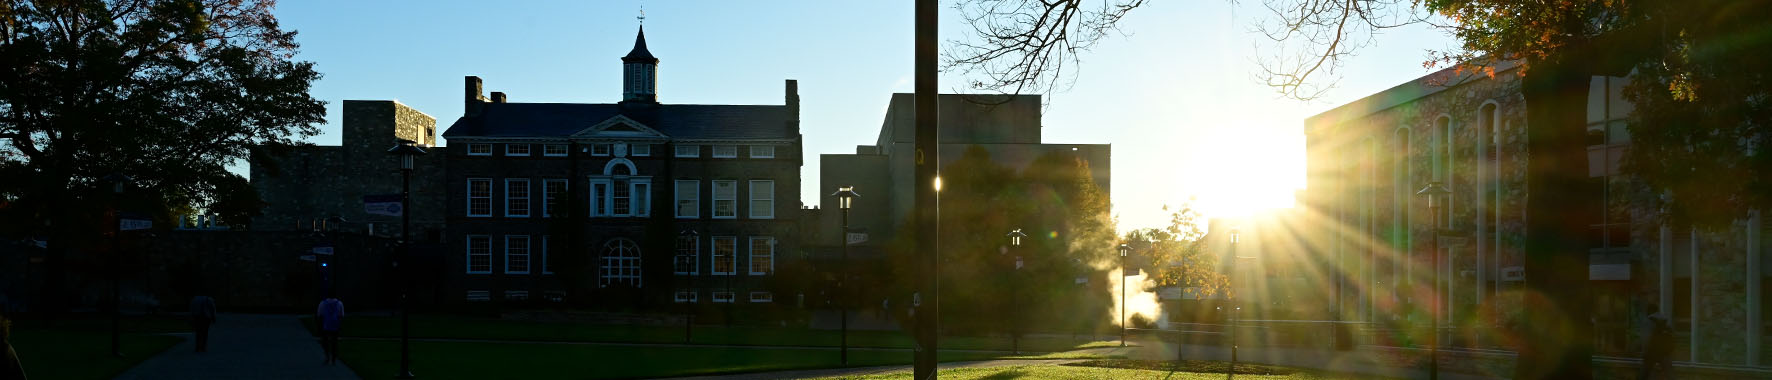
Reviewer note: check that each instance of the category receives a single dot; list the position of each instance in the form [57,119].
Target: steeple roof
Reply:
[640,54]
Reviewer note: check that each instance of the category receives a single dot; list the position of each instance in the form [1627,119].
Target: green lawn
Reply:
[497,329]
[1114,369]
[371,359]
[80,347]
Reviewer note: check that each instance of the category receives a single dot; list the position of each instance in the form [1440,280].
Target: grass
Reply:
[1115,369]
[79,347]
[552,361]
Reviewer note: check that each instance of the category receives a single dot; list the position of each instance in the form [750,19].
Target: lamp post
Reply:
[118,182]
[407,150]
[1431,191]
[845,200]
[689,307]
[1124,249]
[1014,294]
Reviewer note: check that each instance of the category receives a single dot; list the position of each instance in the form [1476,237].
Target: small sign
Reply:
[1082,280]
[382,204]
[323,250]
[854,238]
[1018,262]
[134,222]
[307,257]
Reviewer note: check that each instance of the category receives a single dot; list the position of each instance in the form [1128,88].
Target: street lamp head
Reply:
[845,197]
[406,149]
[1433,190]
[1124,249]
[1015,237]
[687,233]
[1236,235]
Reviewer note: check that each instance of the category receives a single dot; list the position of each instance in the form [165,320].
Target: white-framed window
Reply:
[554,150]
[479,249]
[480,197]
[621,197]
[725,253]
[516,254]
[689,151]
[688,199]
[762,151]
[479,149]
[762,297]
[762,199]
[725,199]
[619,193]
[621,263]
[551,190]
[640,150]
[685,296]
[762,255]
[599,190]
[725,151]
[722,297]
[600,149]
[479,295]
[545,268]
[517,150]
[642,197]
[517,197]
[688,259]
[516,295]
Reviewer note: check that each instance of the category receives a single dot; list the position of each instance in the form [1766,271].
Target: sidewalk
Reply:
[862,371]
[245,346]
[1362,362]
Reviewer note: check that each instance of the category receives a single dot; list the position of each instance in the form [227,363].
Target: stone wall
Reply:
[312,183]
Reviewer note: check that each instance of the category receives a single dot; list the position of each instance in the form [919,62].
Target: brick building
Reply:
[636,203]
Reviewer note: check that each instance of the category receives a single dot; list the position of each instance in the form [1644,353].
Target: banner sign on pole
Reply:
[854,238]
[382,204]
[323,250]
[307,257]
[130,221]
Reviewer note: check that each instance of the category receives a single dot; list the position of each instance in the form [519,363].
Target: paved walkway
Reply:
[245,346]
[691,345]
[863,371]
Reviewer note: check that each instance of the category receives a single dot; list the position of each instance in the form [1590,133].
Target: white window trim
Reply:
[715,296]
[598,209]
[694,257]
[610,147]
[471,197]
[750,263]
[694,151]
[754,154]
[767,297]
[472,146]
[752,204]
[547,211]
[526,150]
[714,193]
[639,201]
[633,150]
[685,296]
[527,191]
[545,269]
[526,255]
[564,150]
[714,245]
[677,199]
[468,249]
[716,151]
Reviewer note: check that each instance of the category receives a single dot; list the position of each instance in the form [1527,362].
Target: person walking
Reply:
[10,368]
[1658,350]
[330,313]
[202,315]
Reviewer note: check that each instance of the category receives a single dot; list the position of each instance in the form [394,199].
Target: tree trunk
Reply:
[1557,331]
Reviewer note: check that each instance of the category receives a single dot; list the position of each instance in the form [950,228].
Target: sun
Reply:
[1242,172]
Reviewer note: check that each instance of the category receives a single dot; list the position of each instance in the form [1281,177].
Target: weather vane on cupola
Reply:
[642,16]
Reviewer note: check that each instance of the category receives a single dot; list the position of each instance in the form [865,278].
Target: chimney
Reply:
[498,97]
[793,103]
[472,97]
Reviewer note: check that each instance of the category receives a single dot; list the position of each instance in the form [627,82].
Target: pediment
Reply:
[619,127]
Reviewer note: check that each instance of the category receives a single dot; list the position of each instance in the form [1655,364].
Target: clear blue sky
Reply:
[1176,96]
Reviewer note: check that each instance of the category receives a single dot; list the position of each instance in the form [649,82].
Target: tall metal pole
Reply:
[1122,299]
[405,265]
[1433,342]
[925,302]
[1232,283]
[843,286]
[116,282]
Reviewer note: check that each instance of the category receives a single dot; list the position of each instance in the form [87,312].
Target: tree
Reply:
[1178,254]
[1027,45]
[169,92]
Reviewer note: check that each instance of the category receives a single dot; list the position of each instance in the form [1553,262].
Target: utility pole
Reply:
[925,302]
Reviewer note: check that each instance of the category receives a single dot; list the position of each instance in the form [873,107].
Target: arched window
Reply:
[619,192]
[1444,156]
[621,263]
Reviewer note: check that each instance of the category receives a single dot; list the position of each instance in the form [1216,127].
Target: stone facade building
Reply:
[303,186]
[638,203]
[1367,159]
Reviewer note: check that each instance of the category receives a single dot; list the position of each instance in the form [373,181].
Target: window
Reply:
[554,150]
[617,193]
[517,198]
[722,297]
[516,254]
[762,151]
[762,199]
[641,150]
[545,269]
[479,295]
[479,149]
[725,250]
[516,295]
[621,263]
[685,297]
[600,149]
[762,297]
[762,255]
[479,197]
[688,260]
[642,198]
[688,151]
[688,199]
[725,151]
[725,199]
[599,189]
[621,198]
[516,149]
[551,189]
[479,254]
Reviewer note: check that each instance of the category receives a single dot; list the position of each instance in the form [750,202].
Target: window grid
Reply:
[762,256]
[763,199]
[762,151]
[688,199]
[640,150]
[518,150]
[479,197]
[642,198]
[551,191]
[723,297]
[600,149]
[688,260]
[479,149]
[762,297]
[725,151]
[688,151]
[621,263]
[479,254]
[725,199]
[517,198]
[620,198]
[554,150]
[725,250]
[516,254]
[686,297]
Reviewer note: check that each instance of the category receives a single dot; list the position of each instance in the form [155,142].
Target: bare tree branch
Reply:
[1028,45]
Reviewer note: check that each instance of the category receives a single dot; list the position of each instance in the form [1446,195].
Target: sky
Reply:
[1175,93]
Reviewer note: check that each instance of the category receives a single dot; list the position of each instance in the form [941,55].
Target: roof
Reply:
[1400,94]
[640,54]
[680,121]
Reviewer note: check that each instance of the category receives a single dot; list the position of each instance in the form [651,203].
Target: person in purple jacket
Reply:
[330,313]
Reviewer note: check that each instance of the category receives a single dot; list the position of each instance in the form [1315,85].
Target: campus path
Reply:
[245,346]
[862,371]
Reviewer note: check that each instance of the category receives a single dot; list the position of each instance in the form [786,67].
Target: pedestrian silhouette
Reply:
[1658,350]
[330,314]
[202,315]
[10,368]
